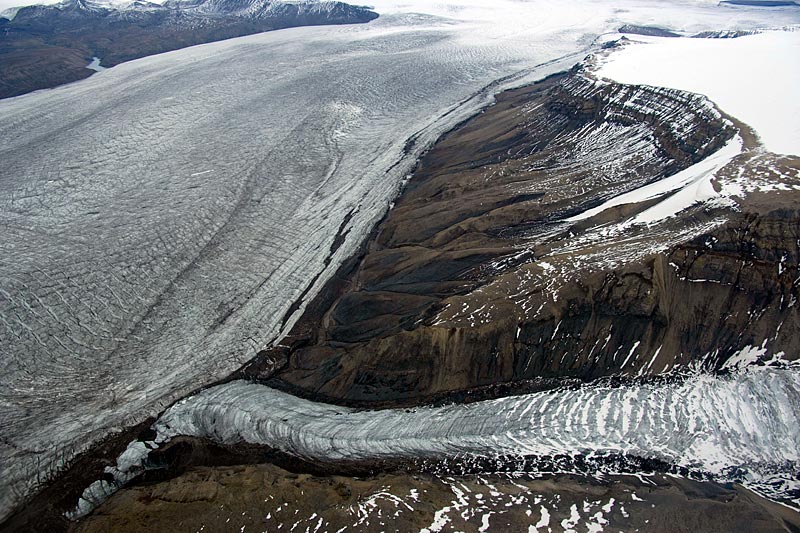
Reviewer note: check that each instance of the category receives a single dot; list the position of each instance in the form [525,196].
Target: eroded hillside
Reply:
[499,270]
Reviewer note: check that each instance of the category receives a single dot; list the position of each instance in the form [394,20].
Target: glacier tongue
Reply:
[742,427]
[704,422]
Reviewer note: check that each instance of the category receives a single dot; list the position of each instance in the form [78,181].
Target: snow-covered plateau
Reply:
[167,218]
[746,77]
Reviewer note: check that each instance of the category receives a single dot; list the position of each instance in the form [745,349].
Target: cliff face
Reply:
[700,303]
[478,278]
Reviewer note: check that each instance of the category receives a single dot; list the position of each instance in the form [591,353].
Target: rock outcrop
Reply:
[477,280]
[268,497]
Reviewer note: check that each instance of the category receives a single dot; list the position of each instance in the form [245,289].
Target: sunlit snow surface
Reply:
[755,78]
[692,184]
[161,217]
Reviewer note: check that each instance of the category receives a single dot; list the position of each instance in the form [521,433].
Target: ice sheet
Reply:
[754,78]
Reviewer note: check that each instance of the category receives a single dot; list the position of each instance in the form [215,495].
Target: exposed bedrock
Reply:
[268,497]
[457,290]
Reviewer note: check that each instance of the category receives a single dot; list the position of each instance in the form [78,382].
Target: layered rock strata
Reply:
[485,275]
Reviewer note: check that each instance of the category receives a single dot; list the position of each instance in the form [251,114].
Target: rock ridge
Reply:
[452,294]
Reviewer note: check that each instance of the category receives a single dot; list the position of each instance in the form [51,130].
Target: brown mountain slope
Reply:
[476,281]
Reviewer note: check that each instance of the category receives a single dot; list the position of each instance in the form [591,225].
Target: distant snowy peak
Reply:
[249,9]
[261,8]
[66,9]
[140,5]
[79,6]
[70,8]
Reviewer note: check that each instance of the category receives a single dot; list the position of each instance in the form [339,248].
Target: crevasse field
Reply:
[162,217]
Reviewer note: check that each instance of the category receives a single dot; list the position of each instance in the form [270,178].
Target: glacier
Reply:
[166,219]
[739,428]
[702,422]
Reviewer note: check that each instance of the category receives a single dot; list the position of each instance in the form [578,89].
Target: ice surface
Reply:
[754,78]
[95,65]
[741,427]
[161,217]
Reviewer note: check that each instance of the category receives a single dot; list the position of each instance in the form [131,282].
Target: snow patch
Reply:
[680,191]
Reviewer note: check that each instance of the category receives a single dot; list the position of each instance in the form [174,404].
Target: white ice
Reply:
[745,421]
[753,78]
[95,65]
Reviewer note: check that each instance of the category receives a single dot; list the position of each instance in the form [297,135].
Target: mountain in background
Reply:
[45,46]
